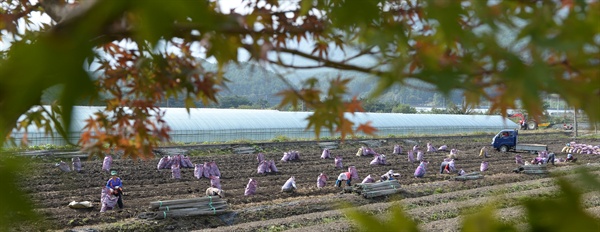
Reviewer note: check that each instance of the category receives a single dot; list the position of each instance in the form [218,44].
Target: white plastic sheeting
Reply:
[221,125]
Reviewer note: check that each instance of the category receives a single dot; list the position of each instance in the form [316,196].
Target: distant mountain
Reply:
[416,93]
[253,83]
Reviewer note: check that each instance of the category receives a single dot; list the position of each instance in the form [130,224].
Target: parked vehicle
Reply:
[529,124]
[507,140]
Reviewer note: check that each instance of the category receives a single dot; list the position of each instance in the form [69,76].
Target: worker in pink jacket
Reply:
[344,176]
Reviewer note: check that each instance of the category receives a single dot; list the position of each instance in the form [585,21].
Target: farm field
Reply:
[435,201]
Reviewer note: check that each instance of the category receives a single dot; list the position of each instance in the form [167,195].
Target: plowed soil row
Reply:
[52,190]
[432,212]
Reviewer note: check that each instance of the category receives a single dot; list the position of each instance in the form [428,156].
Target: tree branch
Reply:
[57,10]
[329,63]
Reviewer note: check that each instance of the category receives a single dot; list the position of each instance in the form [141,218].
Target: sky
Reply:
[238,6]
[225,6]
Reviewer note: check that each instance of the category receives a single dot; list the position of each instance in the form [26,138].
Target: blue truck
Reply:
[507,140]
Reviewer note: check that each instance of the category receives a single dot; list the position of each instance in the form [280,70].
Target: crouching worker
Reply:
[390,175]
[347,176]
[571,158]
[115,187]
[447,167]
[212,191]
[290,185]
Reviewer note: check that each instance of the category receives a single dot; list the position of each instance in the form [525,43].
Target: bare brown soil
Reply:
[308,209]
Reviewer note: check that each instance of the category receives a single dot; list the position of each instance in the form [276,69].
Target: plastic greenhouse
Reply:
[222,125]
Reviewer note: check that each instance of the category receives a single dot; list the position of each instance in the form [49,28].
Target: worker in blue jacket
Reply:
[115,187]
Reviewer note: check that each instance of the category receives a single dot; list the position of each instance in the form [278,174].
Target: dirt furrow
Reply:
[435,199]
[52,190]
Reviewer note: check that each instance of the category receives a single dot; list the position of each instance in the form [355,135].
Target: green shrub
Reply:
[281,138]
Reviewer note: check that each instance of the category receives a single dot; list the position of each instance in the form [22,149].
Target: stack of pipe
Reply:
[189,207]
[534,169]
[377,189]
[469,176]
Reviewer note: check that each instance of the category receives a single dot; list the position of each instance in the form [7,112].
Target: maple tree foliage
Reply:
[137,53]
[131,55]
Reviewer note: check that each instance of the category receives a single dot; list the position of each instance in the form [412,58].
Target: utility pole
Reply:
[575,122]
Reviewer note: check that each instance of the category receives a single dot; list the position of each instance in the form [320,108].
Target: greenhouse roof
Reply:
[220,125]
[229,119]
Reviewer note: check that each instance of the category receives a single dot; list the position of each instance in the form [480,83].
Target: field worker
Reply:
[212,191]
[447,166]
[290,185]
[483,152]
[388,175]
[115,186]
[550,158]
[347,176]
[571,158]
